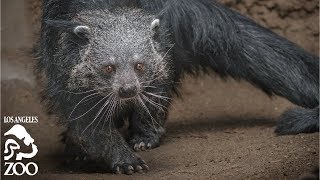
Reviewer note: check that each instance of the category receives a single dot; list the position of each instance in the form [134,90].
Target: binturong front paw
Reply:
[142,143]
[128,164]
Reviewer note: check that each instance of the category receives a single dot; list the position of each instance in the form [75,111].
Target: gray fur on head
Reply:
[122,41]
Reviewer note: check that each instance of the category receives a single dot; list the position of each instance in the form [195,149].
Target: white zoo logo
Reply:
[21,133]
[11,146]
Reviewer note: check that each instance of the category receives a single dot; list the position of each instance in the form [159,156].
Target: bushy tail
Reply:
[211,36]
[298,120]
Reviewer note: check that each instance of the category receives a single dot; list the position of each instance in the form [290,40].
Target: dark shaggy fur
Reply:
[104,63]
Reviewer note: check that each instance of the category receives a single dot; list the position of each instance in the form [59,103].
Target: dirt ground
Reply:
[219,130]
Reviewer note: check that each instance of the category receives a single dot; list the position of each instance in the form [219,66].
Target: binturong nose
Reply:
[127,91]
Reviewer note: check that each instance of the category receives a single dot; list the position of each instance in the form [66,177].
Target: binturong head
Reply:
[115,53]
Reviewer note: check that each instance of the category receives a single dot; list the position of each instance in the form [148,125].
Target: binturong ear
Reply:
[155,25]
[154,28]
[80,31]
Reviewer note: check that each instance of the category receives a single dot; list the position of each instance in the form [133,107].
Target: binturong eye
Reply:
[109,69]
[139,67]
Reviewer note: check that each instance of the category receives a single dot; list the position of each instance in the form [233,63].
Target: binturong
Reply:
[108,61]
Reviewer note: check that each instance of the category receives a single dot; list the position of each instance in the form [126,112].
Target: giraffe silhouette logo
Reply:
[11,146]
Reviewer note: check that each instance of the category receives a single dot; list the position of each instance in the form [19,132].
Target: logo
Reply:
[21,133]
[12,148]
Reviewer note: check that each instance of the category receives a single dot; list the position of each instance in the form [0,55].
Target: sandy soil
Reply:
[219,130]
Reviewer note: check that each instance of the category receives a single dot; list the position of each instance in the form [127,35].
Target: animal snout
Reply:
[127,91]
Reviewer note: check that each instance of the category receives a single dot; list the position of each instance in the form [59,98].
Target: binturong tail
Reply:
[298,120]
[211,36]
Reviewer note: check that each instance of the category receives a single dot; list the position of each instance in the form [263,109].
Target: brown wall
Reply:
[298,20]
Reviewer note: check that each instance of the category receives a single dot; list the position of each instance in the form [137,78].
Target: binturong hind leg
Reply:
[298,120]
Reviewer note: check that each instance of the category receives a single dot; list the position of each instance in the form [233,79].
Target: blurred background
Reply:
[219,129]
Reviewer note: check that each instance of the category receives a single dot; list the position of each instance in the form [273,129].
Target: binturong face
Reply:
[118,55]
